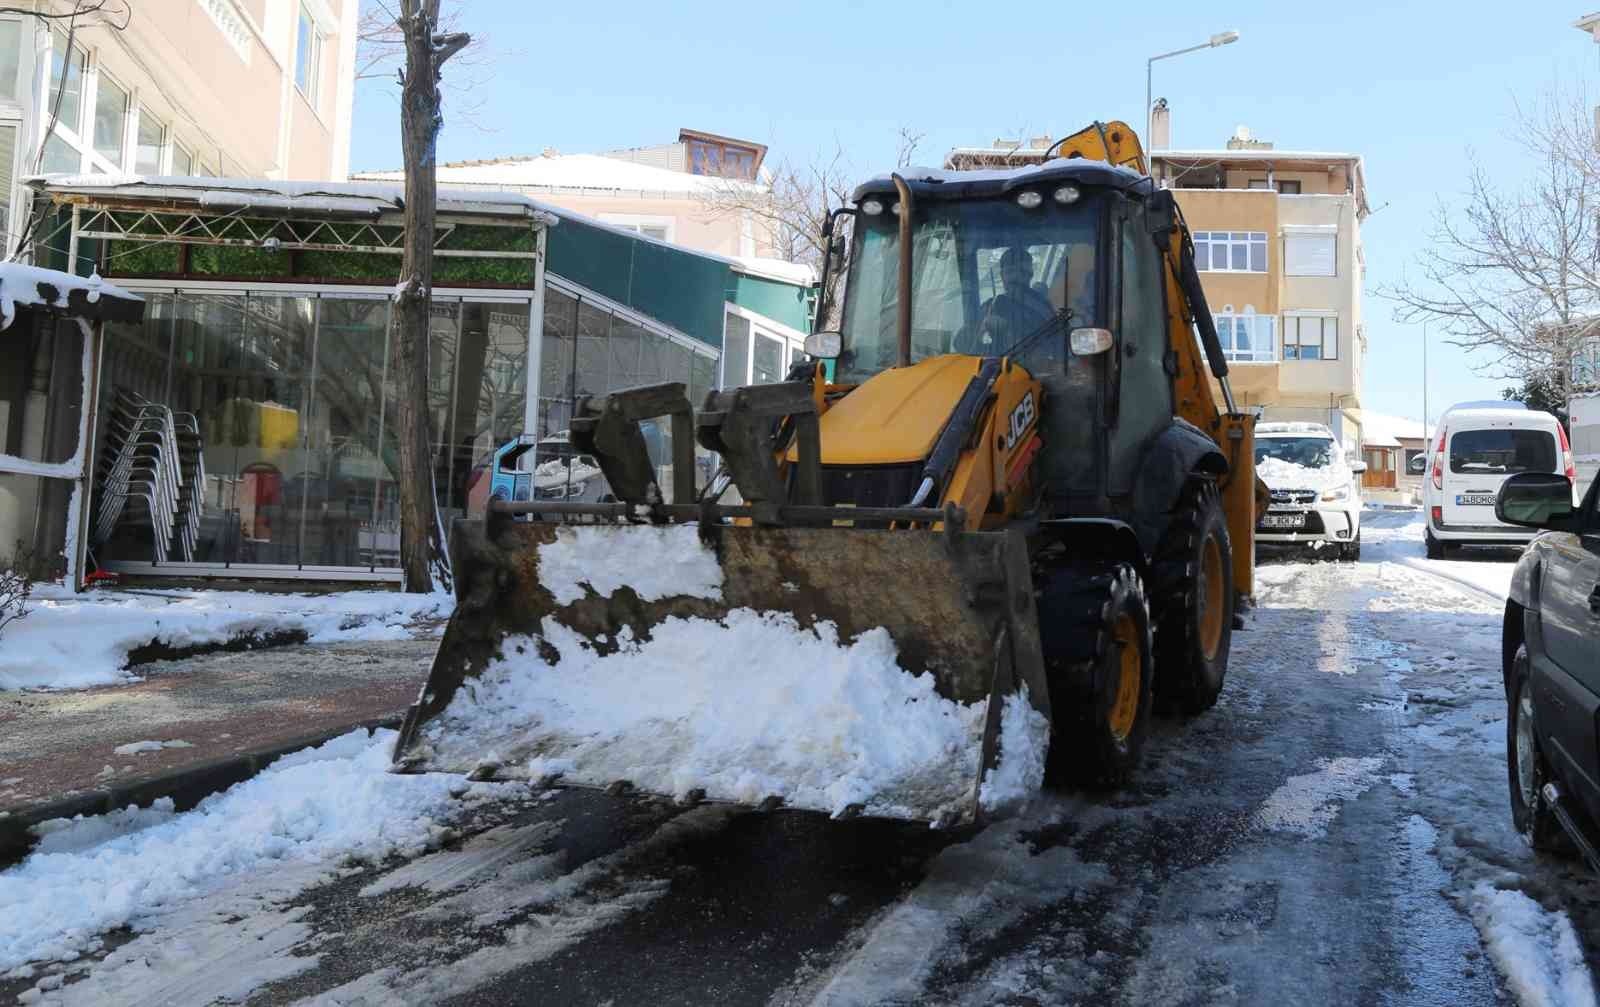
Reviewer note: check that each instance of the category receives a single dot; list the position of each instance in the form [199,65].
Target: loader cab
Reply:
[1027,264]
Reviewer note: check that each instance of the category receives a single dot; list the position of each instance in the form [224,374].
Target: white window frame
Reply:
[96,158]
[20,86]
[793,342]
[1263,329]
[305,13]
[1294,319]
[1227,240]
[172,153]
[72,134]
[163,151]
[635,222]
[1328,231]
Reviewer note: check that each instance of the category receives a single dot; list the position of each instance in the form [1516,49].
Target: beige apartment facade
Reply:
[1278,242]
[243,88]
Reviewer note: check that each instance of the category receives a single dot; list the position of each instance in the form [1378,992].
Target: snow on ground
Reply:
[1537,951]
[136,747]
[1483,569]
[72,641]
[1306,804]
[749,707]
[319,807]
[655,561]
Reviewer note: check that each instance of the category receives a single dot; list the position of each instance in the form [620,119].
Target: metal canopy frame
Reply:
[231,228]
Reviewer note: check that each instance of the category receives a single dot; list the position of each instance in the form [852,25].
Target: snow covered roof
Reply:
[775,269]
[592,174]
[1248,154]
[82,296]
[348,198]
[1379,430]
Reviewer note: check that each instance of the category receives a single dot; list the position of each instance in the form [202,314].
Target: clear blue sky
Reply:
[1410,87]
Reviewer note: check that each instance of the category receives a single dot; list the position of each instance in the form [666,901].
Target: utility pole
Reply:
[1220,38]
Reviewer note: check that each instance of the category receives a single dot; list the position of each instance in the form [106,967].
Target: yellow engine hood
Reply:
[894,417]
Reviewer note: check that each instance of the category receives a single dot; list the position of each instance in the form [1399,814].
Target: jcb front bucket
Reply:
[551,669]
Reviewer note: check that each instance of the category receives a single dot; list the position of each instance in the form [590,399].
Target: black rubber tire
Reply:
[1351,551]
[1530,814]
[1080,608]
[1187,680]
[1434,547]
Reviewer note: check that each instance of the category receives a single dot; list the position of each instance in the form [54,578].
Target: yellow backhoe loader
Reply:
[1010,456]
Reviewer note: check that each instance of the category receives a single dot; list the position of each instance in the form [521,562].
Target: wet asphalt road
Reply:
[1317,838]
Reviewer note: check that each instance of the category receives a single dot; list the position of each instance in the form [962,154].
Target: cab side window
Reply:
[1145,388]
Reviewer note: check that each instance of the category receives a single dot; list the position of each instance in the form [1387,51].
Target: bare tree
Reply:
[381,51]
[906,146]
[1512,270]
[423,561]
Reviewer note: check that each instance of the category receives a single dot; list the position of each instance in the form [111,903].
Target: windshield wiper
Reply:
[1061,317]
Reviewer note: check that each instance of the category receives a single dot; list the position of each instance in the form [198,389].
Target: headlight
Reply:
[1029,200]
[872,207]
[1342,493]
[1067,194]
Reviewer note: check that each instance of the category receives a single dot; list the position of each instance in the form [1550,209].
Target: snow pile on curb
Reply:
[1538,952]
[73,641]
[136,747]
[655,561]
[743,709]
[319,806]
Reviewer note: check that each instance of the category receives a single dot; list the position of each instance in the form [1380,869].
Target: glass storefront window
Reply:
[293,396]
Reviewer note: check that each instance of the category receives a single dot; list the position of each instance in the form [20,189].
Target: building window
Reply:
[152,137]
[66,80]
[10,57]
[1246,336]
[1310,253]
[1230,251]
[1289,187]
[1257,183]
[110,120]
[182,161]
[659,228]
[60,156]
[8,161]
[1586,364]
[307,49]
[1311,337]
[727,160]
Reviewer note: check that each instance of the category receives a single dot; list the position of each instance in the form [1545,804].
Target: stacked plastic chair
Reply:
[155,458]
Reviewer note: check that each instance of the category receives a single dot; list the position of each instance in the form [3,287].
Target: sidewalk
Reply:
[59,751]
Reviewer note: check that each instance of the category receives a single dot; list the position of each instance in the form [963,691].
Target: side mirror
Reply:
[1536,500]
[824,345]
[1417,466]
[1358,467]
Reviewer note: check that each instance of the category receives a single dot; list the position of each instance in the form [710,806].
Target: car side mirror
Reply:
[1358,467]
[1417,466]
[1536,500]
[824,345]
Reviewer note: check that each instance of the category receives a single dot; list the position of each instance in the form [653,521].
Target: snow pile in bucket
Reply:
[1024,740]
[747,708]
[660,562]
[320,806]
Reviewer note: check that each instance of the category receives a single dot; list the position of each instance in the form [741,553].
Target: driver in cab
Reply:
[1018,310]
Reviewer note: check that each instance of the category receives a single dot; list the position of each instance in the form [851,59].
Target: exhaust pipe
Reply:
[903,316]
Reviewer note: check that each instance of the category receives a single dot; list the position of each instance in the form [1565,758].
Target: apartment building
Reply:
[697,191]
[258,88]
[1278,241]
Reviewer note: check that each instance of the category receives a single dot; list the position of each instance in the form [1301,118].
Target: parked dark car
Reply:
[1551,661]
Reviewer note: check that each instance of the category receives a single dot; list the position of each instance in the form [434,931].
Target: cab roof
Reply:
[941,183]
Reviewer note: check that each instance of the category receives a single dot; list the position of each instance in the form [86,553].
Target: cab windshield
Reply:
[987,275]
[1306,452]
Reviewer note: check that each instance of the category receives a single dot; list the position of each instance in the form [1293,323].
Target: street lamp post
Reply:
[1220,38]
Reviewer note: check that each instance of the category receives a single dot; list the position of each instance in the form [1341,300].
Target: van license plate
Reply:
[1284,521]
[1475,500]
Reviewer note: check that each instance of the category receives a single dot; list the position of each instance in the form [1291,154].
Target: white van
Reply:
[1478,446]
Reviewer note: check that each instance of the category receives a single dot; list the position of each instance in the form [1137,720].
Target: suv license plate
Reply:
[1284,521]
[1475,500]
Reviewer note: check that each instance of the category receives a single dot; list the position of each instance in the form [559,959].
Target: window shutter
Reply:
[8,160]
[1330,339]
[1309,254]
